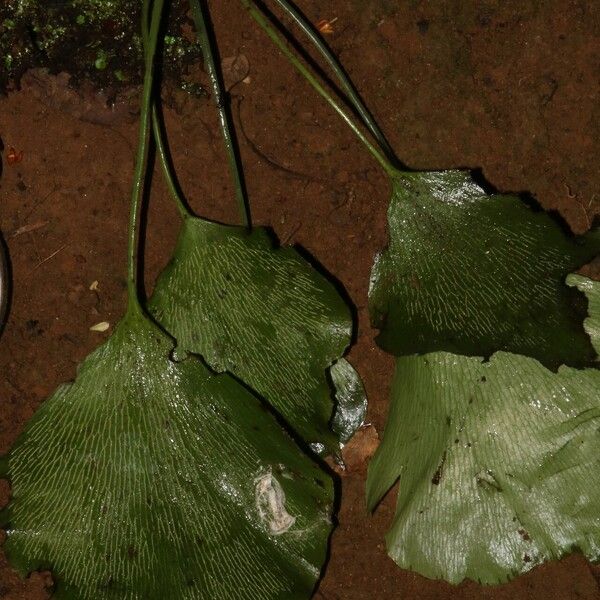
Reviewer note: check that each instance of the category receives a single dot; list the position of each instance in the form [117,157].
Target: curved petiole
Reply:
[142,154]
[334,64]
[201,19]
[277,39]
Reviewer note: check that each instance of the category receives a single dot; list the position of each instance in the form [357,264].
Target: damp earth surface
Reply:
[510,88]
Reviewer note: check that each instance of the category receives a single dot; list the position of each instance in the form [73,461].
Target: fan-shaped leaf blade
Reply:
[498,462]
[472,274]
[152,479]
[261,313]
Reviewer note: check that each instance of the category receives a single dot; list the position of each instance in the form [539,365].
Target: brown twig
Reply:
[29,228]
[51,256]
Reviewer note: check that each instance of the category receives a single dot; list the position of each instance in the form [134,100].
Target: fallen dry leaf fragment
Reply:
[325,26]
[360,448]
[102,326]
[29,228]
[13,156]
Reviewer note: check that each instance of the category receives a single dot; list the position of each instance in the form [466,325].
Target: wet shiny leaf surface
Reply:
[151,479]
[263,314]
[471,273]
[497,462]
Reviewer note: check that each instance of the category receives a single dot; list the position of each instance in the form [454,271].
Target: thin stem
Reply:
[280,43]
[142,154]
[159,138]
[201,19]
[317,40]
[166,165]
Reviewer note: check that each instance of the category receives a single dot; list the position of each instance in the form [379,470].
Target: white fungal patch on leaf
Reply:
[270,504]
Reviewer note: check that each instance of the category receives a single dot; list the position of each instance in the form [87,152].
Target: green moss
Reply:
[101,61]
[96,40]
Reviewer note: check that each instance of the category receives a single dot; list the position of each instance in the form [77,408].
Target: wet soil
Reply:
[509,87]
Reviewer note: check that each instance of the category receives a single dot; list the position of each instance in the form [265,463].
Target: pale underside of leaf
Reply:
[150,479]
[592,291]
[498,462]
[471,273]
[263,314]
[351,400]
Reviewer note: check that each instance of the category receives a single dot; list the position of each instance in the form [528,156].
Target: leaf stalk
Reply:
[277,39]
[159,138]
[334,64]
[202,19]
[137,191]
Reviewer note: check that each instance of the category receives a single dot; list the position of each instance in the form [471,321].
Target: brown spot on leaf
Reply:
[437,476]
[524,535]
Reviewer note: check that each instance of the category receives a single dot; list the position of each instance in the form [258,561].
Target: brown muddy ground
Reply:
[508,86]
